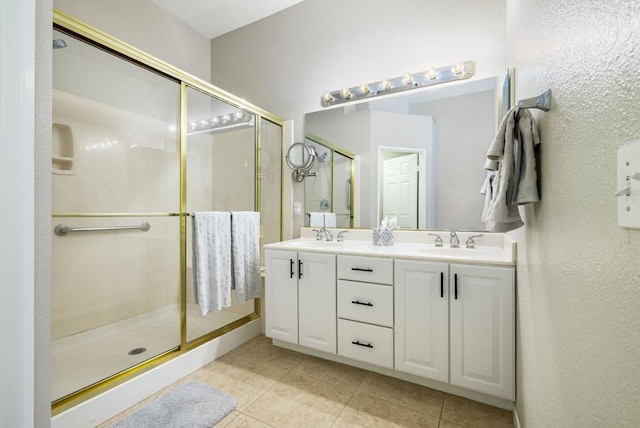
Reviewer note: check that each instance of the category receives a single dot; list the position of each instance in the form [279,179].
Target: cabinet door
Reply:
[317,301]
[482,329]
[281,295]
[421,318]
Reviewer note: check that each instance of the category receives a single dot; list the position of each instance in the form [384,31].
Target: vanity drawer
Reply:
[367,269]
[361,301]
[365,342]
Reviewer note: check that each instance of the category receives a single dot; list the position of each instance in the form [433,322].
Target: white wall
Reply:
[578,273]
[286,61]
[465,126]
[25,122]
[147,27]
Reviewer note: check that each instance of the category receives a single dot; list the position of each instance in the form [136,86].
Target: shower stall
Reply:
[137,147]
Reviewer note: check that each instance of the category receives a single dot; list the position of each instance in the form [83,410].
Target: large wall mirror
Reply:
[420,154]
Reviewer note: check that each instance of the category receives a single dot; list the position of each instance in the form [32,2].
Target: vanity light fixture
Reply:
[421,79]
[220,123]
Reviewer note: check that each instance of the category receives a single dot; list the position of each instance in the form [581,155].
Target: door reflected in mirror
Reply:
[452,124]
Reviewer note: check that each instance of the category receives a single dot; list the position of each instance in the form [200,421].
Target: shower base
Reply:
[85,358]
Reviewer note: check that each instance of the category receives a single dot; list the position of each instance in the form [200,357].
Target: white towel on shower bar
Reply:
[212,260]
[245,254]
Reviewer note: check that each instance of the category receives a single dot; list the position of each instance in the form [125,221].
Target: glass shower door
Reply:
[221,176]
[115,235]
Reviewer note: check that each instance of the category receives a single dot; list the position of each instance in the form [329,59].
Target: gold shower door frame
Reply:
[79,30]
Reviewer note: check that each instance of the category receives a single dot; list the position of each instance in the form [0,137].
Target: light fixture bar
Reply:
[220,123]
[421,79]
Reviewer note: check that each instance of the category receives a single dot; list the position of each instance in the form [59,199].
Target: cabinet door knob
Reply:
[358,302]
[366,345]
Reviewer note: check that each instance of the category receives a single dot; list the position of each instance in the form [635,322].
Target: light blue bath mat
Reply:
[192,405]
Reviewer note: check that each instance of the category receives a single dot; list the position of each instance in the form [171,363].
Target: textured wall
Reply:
[578,273]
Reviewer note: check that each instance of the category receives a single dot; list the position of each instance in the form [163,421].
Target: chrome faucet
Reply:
[454,242]
[323,234]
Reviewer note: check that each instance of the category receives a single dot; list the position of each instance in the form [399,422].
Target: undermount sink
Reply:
[315,244]
[467,253]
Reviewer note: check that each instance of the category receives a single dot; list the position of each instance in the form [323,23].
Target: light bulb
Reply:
[407,78]
[364,88]
[346,93]
[386,84]
[457,69]
[327,97]
[226,118]
[432,74]
[215,121]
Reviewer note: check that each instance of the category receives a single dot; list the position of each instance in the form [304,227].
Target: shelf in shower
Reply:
[62,149]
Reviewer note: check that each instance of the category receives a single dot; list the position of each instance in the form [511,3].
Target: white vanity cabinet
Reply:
[422,319]
[455,323]
[439,317]
[300,298]
[482,330]
[365,309]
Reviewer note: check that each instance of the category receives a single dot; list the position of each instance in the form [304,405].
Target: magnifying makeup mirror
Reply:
[300,158]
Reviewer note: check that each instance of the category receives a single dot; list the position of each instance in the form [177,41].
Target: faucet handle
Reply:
[340,236]
[439,241]
[470,242]
[318,234]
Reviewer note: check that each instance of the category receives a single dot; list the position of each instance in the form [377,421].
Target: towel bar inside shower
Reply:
[62,230]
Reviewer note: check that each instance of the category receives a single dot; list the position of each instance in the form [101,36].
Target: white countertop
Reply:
[491,248]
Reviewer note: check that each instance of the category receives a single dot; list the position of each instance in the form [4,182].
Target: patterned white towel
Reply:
[245,249]
[212,260]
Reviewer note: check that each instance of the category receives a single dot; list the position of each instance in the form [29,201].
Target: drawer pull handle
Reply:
[358,302]
[362,269]
[366,345]
[299,269]
[442,285]
[291,268]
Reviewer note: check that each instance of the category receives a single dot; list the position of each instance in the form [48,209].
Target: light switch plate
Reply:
[297,208]
[629,187]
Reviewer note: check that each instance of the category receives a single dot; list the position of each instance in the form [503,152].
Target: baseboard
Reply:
[108,404]
[516,417]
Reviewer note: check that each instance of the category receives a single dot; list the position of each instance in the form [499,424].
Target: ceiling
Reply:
[213,18]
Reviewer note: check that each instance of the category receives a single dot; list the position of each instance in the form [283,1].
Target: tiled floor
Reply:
[280,388]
